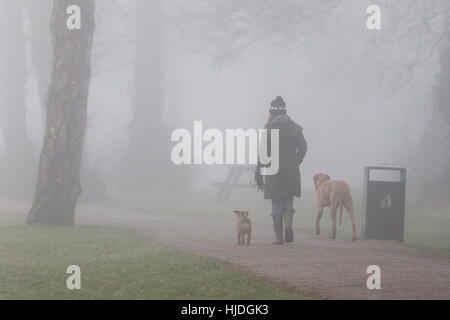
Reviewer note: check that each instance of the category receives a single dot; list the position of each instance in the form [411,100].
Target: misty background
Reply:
[363,97]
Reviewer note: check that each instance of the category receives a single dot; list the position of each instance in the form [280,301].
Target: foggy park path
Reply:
[334,269]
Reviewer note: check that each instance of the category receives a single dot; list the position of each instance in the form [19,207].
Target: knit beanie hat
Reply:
[278,106]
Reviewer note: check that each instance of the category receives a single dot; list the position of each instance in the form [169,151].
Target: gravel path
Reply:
[335,269]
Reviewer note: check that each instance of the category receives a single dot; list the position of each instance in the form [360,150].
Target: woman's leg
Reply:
[277,218]
[288,213]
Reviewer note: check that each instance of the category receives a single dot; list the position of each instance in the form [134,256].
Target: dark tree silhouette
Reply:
[423,30]
[41,51]
[434,149]
[58,182]
[149,154]
[17,165]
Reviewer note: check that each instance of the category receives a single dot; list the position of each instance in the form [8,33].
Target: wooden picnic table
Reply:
[231,182]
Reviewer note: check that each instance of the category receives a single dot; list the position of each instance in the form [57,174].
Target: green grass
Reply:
[116,264]
[428,230]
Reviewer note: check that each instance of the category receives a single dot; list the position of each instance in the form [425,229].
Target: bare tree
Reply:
[431,164]
[414,34]
[225,28]
[58,182]
[40,38]
[17,165]
[421,32]
[148,151]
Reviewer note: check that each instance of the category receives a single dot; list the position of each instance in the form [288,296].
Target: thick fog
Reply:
[363,97]
[207,149]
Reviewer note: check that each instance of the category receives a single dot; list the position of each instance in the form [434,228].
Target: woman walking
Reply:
[283,186]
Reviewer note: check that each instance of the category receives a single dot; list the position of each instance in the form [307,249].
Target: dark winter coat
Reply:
[292,150]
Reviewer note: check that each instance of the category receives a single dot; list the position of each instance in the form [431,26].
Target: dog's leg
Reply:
[333,221]
[239,238]
[319,216]
[352,219]
[249,235]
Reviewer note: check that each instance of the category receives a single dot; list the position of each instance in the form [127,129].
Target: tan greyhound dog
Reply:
[334,194]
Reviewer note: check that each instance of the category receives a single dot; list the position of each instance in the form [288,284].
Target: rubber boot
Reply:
[288,219]
[333,233]
[278,228]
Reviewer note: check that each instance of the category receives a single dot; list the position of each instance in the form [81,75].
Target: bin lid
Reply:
[385,167]
[385,173]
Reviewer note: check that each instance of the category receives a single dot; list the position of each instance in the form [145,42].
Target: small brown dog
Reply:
[334,194]
[244,226]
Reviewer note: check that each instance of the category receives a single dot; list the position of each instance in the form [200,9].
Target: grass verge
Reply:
[116,264]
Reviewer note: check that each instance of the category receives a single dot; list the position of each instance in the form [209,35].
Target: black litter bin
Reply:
[384,203]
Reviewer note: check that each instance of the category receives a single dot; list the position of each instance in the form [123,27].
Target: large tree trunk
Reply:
[41,53]
[148,155]
[16,167]
[58,183]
